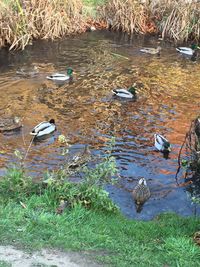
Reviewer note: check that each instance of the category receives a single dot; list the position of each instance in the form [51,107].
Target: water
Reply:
[87,113]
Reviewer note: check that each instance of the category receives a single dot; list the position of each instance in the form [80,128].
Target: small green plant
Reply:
[89,191]
[15,183]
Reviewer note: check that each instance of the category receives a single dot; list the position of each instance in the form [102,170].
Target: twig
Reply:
[28,149]
[179,154]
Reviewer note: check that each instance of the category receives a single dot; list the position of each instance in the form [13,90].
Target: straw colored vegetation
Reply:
[178,20]
[24,20]
[21,21]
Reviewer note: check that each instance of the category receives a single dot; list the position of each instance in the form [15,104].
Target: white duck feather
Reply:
[44,128]
[161,143]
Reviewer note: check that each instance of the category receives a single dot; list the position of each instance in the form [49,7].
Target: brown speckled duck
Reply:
[10,124]
[141,194]
[81,158]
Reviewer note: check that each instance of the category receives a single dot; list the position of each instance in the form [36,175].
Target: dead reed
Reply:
[178,20]
[175,19]
[129,16]
[21,20]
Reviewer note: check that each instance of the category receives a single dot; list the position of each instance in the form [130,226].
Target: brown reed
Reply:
[21,20]
[175,19]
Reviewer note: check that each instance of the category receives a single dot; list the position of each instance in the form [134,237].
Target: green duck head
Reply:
[195,46]
[69,71]
[132,89]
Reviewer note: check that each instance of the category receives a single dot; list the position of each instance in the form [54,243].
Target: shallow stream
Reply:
[86,112]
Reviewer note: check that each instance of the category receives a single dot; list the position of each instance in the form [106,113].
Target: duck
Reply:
[187,50]
[80,158]
[126,93]
[28,72]
[44,128]
[152,51]
[10,123]
[60,76]
[162,144]
[141,193]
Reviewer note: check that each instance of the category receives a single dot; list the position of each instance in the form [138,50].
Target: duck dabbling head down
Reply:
[141,193]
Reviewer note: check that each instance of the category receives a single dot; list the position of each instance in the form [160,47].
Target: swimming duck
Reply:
[187,50]
[162,144]
[61,76]
[141,193]
[125,93]
[28,72]
[152,51]
[81,158]
[44,128]
[10,124]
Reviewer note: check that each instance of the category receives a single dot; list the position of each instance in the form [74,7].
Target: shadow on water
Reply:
[86,112]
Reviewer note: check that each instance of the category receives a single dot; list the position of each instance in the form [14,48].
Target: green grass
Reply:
[91,223]
[122,242]
[90,6]
[94,2]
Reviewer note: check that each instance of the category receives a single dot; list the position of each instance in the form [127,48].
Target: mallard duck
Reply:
[60,76]
[187,50]
[141,193]
[81,158]
[162,144]
[10,124]
[152,51]
[44,128]
[28,72]
[125,93]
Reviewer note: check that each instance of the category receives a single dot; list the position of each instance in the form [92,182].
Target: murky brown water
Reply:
[86,112]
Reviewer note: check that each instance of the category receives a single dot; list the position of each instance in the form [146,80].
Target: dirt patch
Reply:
[44,258]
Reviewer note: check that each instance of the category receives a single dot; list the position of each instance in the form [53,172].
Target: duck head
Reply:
[167,147]
[142,181]
[52,121]
[195,47]
[69,71]
[132,89]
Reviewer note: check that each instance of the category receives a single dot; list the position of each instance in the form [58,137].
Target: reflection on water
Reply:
[86,111]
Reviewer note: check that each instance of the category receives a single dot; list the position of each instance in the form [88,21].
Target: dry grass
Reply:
[175,19]
[24,20]
[21,21]
[129,16]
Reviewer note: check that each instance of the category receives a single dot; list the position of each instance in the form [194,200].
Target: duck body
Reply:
[58,77]
[10,124]
[187,50]
[141,193]
[28,72]
[125,93]
[162,144]
[44,128]
[152,51]
[81,158]
[61,76]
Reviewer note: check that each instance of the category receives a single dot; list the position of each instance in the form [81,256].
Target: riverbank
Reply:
[33,217]
[21,22]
